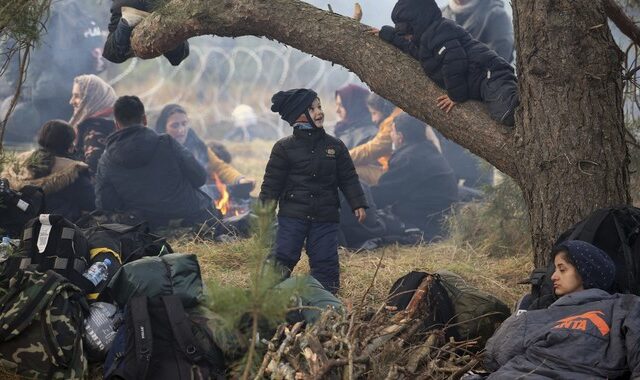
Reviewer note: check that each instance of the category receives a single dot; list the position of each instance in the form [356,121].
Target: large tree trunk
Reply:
[571,134]
[567,152]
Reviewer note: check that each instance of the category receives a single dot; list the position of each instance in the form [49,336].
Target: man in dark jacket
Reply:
[304,172]
[149,174]
[487,21]
[465,68]
[125,15]
[419,186]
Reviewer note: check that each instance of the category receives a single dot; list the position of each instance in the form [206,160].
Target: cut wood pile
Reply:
[367,344]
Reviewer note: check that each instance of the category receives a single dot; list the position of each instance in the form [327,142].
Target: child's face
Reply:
[397,139]
[565,278]
[376,116]
[316,113]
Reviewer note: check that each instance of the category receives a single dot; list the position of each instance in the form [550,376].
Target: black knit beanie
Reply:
[293,103]
[595,267]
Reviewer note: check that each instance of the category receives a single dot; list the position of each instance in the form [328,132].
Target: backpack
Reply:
[18,207]
[50,242]
[465,312]
[159,340]
[614,230]
[41,316]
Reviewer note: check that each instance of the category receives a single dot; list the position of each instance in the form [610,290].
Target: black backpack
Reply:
[614,230]
[51,242]
[159,340]
[18,207]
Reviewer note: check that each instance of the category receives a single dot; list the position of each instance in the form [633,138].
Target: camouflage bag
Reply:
[41,316]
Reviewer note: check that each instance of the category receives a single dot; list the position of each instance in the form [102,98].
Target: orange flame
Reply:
[221,203]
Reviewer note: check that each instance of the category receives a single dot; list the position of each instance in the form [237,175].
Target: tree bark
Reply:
[567,152]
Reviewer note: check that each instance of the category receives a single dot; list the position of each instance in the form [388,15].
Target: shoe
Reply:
[133,16]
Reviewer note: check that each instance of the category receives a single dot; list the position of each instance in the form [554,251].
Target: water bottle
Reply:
[5,248]
[98,272]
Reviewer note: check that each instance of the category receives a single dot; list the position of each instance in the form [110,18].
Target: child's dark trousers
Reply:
[321,245]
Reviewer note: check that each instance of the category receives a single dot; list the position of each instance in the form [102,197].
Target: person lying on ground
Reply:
[419,186]
[586,333]
[92,100]
[148,174]
[65,182]
[465,68]
[355,126]
[174,121]
[303,174]
[125,15]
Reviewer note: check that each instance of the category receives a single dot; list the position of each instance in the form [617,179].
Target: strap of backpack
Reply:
[142,335]
[628,258]
[181,328]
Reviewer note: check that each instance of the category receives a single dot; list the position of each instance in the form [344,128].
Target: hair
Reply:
[565,255]
[165,114]
[411,128]
[380,104]
[128,110]
[56,136]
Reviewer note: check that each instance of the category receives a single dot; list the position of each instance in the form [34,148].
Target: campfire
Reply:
[227,204]
[221,203]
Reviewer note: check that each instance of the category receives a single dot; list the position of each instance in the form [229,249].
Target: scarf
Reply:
[354,101]
[97,98]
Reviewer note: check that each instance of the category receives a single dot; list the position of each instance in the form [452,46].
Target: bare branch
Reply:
[622,21]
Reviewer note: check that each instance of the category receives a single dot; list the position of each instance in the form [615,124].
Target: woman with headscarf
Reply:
[65,182]
[355,126]
[92,99]
[174,121]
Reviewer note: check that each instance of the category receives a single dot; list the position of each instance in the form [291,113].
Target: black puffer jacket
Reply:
[448,54]
[304,173]
[152,175]
[110,51]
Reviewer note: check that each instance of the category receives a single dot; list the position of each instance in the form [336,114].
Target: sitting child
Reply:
[586,334]
[125,15]
[304,172]
[465,68]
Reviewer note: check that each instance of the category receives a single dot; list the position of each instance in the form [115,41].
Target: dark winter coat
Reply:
[110,51]
[152,175]
[305,171]
[419,186]
[356,133]
[489,23]
[66,183]
[92,139]
[589,334]
[448,54]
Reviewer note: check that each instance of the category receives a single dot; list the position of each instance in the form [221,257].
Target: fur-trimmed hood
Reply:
[63,173]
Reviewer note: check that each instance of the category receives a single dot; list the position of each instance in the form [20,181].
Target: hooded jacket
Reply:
[305,171]
[447,53]
[66,185]
[357,128]
[488,22]
[588,334]
[419,184]
[152,175]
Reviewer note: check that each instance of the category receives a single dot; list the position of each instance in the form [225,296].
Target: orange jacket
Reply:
[227,173]
[377,148]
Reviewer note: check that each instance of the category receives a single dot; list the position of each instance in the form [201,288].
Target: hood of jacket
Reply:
[132,147]
[64,172]
[418,14]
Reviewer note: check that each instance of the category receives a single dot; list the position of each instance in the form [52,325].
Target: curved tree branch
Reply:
[622,21]
[338,39]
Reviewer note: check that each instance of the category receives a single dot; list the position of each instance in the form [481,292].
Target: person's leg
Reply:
[500,94]
[178,54]
[322,249]
[290,238]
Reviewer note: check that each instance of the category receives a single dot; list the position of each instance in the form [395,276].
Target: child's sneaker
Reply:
[133,16]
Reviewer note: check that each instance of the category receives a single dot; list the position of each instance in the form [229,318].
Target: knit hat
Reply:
[293,103]
[595,267]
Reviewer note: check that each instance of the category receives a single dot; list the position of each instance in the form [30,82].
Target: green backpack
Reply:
[41,317]
[477,314]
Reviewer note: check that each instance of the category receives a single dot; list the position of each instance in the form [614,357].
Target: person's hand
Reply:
[445,103]
[373,31]
[361,214]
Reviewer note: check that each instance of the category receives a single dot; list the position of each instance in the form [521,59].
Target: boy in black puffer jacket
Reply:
[125,15]
[304,172]
[465,68]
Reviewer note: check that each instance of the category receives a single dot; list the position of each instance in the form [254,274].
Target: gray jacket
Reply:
[588,334]
[489,23]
